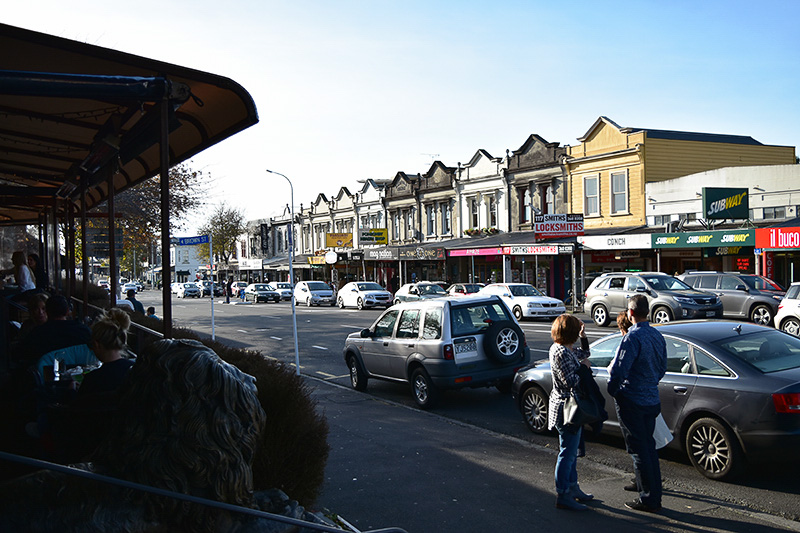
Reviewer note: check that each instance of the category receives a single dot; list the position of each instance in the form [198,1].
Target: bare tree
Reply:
[225,226]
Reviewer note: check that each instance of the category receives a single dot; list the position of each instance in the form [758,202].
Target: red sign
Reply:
[769,265]
[778,238]
[547,226]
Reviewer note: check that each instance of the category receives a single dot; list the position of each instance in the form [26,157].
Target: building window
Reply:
[774,212]
[547,199]
[430,220]
[446,212]
[409,224]
[525,209]
[396,226]
[619,192]
[591,196]
[363,222]
[491,211]
[473,213]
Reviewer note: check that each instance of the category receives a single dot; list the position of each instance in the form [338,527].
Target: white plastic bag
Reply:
[661,433]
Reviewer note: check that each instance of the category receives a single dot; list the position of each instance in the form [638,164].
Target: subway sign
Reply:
[704,239]
[725,202]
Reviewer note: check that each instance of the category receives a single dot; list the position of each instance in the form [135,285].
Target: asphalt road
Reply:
[768,489]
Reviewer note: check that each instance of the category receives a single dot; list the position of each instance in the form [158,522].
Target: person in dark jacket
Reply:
[60,331]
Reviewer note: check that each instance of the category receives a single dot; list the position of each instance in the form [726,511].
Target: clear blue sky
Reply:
[348,90]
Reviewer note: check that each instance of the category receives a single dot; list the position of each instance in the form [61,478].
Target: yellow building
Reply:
[608,170]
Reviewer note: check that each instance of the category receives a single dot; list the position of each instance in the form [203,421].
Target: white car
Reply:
[363,294]
[129,286]
[788,316]
[188,289]
[525,300]
[313,293]
[283,288]
[175,286]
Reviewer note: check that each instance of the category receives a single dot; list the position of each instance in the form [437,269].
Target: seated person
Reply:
[137,305]
[109,343]
[37,314]
[60,331]
[151,312]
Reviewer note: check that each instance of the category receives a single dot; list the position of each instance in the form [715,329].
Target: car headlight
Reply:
[534,304]
[683,300]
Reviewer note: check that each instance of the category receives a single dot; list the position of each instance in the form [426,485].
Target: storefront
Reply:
[421,263]
[726,250]
[475,265]
[614,253]
[548,267]
[778,251]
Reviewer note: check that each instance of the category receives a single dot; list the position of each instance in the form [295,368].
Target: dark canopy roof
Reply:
[59,133]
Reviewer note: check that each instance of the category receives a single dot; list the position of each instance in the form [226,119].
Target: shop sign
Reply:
[616,242]
[778,237]
[355,255]
[567,225]
[536,249]
[250,264]
[704,239]
[423,254]
[769,265]
[727,250]
[381,254]
[725,202]
[316,260]
[339,240]
[373,236]
[475,251]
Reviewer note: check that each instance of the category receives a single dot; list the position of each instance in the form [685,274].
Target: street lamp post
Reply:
[291,269]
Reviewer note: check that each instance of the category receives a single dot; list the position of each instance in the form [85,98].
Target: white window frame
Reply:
[474,213]
[617,194]
[586,197]
[446,212]
[430,219]
[396,225]
[491,211]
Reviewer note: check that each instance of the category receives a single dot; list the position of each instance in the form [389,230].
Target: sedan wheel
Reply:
[534,409]
[662,315]
[423,389]
[791,326]
[360,303]
[308,302]
[761,315]
[518,313]
[396,301]
[341,303]
[713,450]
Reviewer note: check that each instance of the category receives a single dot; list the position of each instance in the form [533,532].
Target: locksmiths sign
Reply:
[704,239]
[549,226]
[726,202]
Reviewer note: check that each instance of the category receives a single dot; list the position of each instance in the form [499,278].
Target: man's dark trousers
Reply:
[637,423]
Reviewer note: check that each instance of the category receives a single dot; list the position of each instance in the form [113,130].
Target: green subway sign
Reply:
[704,239]
[726,202]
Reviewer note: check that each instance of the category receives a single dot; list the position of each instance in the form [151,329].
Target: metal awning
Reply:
[71,113]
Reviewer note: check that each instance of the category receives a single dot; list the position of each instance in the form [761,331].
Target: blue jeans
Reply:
[567,462]
[637,423]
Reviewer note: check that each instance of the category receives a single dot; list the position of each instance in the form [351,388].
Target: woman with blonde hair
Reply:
[109,344]
[564,362]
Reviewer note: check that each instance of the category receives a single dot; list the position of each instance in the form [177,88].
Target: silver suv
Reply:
[669,298]
[745,296]
[446,343]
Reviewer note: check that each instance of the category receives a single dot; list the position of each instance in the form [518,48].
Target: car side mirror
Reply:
[741,288]
[506,295]
[354,290]
[366,333]
[641,289]
[412,291]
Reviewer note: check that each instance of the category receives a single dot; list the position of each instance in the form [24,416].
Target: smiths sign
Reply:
[727,202]
[548,226]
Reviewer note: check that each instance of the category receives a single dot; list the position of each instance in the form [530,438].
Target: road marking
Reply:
[319,347]
[262,329]
[331,376]
[353,327]
[276,338]
[241,331]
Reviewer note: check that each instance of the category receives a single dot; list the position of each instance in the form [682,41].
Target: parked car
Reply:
[205,287]
[746,296]
[104,284]
[139,285]
[129,286]
[788,316]
[460,289]
[175,286]
[669,298]
[237,287]
[439,344]
[525,300]
[313,293]
[261,292]
[363,294]
[185,290]
[421,290]
[284,288]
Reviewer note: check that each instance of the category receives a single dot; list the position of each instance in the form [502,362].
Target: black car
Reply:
[731,392]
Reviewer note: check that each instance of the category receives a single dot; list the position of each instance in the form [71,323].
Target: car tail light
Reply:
[787,402]
[448,352]
[465,379]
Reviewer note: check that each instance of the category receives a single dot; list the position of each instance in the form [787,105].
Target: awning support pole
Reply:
[166,274]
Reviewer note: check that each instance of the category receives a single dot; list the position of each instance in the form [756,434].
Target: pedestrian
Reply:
[634,373]
[565,361]
[228,290]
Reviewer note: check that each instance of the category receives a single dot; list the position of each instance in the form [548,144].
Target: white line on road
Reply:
[241,331]
[352,327]
[319,347]
[276,338]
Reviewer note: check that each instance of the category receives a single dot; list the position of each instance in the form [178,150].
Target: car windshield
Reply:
[283,285]
[768,351]
[189,286]
[430,289]
[666,283]
[475,318]
[262,287]
[524,290]
[761,283]
[318,286]
[369,287]
[471,288]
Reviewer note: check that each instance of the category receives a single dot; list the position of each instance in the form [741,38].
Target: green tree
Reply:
[225,225]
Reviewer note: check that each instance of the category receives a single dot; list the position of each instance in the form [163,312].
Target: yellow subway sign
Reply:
[726,202]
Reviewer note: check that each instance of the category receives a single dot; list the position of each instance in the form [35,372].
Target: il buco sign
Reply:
[778,238]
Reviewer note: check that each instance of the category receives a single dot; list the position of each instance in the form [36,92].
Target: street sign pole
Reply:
[211,266]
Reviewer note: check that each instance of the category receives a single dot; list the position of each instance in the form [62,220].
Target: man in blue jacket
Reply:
[638,366]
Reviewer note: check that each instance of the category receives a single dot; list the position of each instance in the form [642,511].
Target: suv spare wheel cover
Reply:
[503,341]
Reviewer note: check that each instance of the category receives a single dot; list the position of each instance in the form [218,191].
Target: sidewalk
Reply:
[391,465]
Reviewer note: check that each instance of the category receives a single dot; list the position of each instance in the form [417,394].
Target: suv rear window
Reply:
[475,318]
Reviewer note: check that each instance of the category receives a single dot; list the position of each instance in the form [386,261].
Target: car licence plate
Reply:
[465,347]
